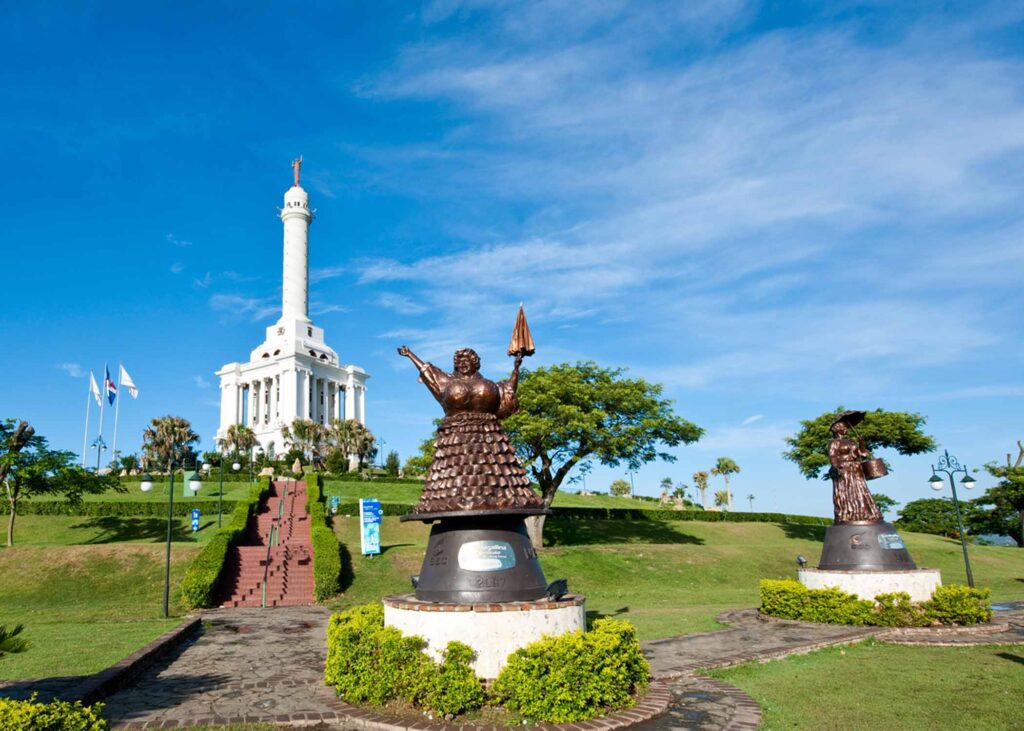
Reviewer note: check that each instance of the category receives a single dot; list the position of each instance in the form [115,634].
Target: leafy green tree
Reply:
[571,412]
[308,436]
[890,429]
[167,439]
[392,464]
[29,468]
[1001,508]
[884,502]
[666,484]
[239,440]
[619,488]
[680,490]
[700,479]
[725,467]
[934,515]
[722,499]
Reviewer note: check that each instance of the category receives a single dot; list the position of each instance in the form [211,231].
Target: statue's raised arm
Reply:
[430,375]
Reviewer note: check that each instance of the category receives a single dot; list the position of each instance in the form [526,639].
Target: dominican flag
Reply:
[109,387]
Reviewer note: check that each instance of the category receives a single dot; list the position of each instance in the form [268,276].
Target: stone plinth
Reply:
[494,631]
[919,583]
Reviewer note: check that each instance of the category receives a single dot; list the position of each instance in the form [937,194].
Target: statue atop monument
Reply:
[296,167]
[850,495]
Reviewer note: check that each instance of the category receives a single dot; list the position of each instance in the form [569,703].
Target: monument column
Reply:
[295,283]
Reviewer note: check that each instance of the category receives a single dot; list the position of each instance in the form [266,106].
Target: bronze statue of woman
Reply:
[475,468]
[850,495]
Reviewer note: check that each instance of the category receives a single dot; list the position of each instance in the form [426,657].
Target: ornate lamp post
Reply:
[951,466]
[100,446]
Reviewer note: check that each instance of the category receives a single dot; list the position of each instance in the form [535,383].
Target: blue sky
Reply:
[769,208]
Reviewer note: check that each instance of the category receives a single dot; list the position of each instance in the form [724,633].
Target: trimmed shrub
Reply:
[200,582]
[31,715]
[953,604]
[896,610]
[574,676]
[122,508]
[326,549]
[456,688]
[958,604]
[370,663]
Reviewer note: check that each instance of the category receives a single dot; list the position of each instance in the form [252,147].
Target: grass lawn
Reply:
[88,590]
[888,687]
[666,578]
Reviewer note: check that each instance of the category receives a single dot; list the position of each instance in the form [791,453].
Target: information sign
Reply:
[334,503]
[369,525]
[195,519]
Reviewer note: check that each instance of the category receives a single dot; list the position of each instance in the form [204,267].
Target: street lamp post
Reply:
[99,445]
[750,497]
[951,466]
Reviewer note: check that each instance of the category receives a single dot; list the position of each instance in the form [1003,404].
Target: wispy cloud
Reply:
[324,308]
[177,267]
[203,282]
[324,273]
[751,419]
[72,369]
[174,241]
[236,306]
[200,382]
[400,303]
[972,392]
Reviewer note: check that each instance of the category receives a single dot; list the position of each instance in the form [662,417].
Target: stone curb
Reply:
[101,684]
[653,703]
[748,711]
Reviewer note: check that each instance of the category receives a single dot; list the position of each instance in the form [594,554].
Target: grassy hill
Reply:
[666,578]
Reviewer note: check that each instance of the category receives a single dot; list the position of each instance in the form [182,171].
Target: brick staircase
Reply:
[286,566]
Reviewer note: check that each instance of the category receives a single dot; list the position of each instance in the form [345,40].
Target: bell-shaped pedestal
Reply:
[480,559]
[866,546]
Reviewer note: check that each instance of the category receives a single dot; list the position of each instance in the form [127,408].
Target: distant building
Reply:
[293,374]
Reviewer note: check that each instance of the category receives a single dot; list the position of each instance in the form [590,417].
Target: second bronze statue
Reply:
[475,468]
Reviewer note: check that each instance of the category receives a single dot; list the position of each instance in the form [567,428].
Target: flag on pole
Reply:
[109,387]
[125,380]
[93,388]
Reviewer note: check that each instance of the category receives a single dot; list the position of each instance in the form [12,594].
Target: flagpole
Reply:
[117,410]
[99,439]
[88,405]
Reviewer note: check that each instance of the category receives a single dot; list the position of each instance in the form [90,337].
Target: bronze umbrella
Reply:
[522,340]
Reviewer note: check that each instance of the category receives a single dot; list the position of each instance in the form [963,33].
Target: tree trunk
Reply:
[10,523]
[535,529]
[728,493]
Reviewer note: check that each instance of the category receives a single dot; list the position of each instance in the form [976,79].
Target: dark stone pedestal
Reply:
[864,547]
[480,559]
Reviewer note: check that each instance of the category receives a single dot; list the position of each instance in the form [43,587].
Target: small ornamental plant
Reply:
[571,677]
[30,715]
[950,605]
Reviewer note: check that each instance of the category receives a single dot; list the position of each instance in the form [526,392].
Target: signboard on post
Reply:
[195,519]
[334,503]
[369,525]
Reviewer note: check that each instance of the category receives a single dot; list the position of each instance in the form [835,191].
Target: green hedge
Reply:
[358,477]
[123,508]
[31,715]
[200,582]
[950,605]
[349,507]
[370,663]
[326,549]
[574,676]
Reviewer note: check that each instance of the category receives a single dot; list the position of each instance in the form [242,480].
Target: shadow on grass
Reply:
[569,532]
[385,548]
[804,532]
[1011,657]
[115,529]
[593,615]
[348,574]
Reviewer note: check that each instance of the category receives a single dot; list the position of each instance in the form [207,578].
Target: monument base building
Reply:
[293,374]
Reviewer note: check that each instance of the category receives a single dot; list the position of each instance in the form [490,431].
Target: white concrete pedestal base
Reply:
[493,630]
[919,583]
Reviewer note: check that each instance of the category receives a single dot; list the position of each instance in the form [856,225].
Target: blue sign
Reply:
[334,503]
[195,519]
[369,525]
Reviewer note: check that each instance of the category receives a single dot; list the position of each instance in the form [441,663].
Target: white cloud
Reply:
[72,369]
[323,308]
[177,267]
[171,239]
[204,282]
[200,382]
[324,273]
[400,303]
[743,439]
[239,306]
[751,419]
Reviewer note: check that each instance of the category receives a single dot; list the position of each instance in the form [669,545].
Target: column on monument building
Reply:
[350,399]
[362,404]
[253,403]
[239,404]
[228,406]
[306,395]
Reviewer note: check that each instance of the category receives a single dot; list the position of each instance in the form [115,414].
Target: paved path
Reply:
[266,665]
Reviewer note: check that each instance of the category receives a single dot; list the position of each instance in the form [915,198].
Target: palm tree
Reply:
[168,439]
[700,479]
[239,439]
[308,436]
[351,438]
[722,499]
[725,467]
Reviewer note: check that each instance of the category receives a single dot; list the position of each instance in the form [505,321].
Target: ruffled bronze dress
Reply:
[475,467]
[851,497]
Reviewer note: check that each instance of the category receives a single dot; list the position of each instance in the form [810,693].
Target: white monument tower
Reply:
[293,374]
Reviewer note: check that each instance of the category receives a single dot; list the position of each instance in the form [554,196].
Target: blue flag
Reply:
[109,387]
